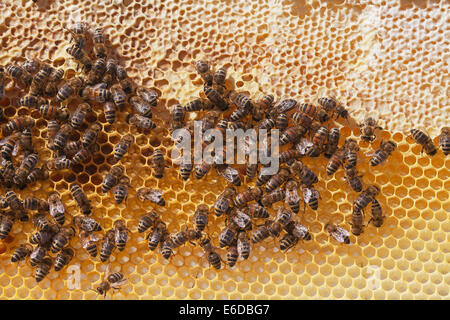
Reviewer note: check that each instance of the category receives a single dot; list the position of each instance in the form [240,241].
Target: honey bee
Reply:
[156,235]
[150,96]
[79,32]
[204,70]
[224,201]
[365,197]
[122,147]
[274,228]
[97,94]
[261,233]
[197,105]
[282,121]
[51,112]
[277,180]
[292,135]
[72,87]
[110,110]
[21,252]
[353,179]
[212,256]
[35,204]
[241,101]
[56,207]
[124,81]
[99,43]
[147,220]
[383,153]
[112,178]
[80,113]
[52,130]
[251,170]
[320,140]
[6,224]
[44,237]
[220,76]
[22,172]
[425,141]
[166,247]
[292,197]
[306,175]
[121,189]
[38,255]
[238,114]
[298,230]
[272,197]
[31,101]
[20,123]
[444,140]
[232,254]
[338,233]
[59,164]
[141,107]
[285,106]
[118,97]
[241,219]
[228,234]
[111,280]
[37,174]
[9,144]
[368,128]
[26,142]
[16,205]
[243,245]
[158,163]
[31,65]
[311,196]
[43,269]
[215,97]
[41,222]
[231,175]
[51,89]
[357,223]
[89,242]
[247,196]
[152,195]
[19,75]
[63,258]
[90,135]
[81,199]
[40,79]
[288,241]
[121,234]
[62,238]
[140,122]
[186,168]
[110,74]
[201,217]
[108,245]
[377,213]
[82,155]
[331,104]
[7,174]
[180,238]
[314,112]
[2,82]
[351,149]
[72,148]
[178,115]
[267,124]
[202,169]
[265,101]
[59,142]
[332,144]
[80,56]
[335,161]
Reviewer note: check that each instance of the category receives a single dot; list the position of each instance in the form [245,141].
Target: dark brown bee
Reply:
[201,217]
[99,43]
[148,95]
[36,174]
[121,234]
[20,123]
[353,178]
[158,163]
[283,217]
[204,70]
[110,74]
[19,75]
[70,88]
[186,168]
[156,235]
[80,56]
[232,254]
[311,196]
[30,101]
[89,242]
[44,237]
[383,153]
[118,96]
[243,245]
[282,121]
[81,199]
[368,128]
[241,101]
[79,32]
[265,101]
[266,124]
[72,148]
[277,180]
[306,175]
[52,130]
[292,197]
[180,238]
[166,247]
[28,163]
[423,139]
[51,112]
[146,221]
[377,214]
[7,173]
[444,140]
[357,222]
[335,161]
[81,156]
[35,204]
[241,219]
[288,241]
[59,164]
[298,230]
[212,256]
[152,195]
[365,197]
[112,178]
[108,245]
[178,115]
[332,144]
[110,110]
[62,238]
[41,222]
[26,142]
[255,211]
[9,144]
[351,149]
[122,147]
[51,89]
[121,189]
[16,205]
[320,140]
[261,233]
[140,122]
[80,113]
[338,233]
[124,81]
[238,114]
[38,255]
[90,135]
[6,223]
[59,142]
[202,169]
[141,107]
[63,258]
[31,65]
[274,228]
[197,105]
[215,97]
[285,105]
[248,196]
[331,104]
[251,170]
[97,94]
[56,207]
[43,269]
[21,252]
[224,201]
[40,79]
[228,234]
[277,195]
[110,280]
[314,112]
[292,135]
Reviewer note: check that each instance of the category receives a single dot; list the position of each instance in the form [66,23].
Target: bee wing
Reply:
[15,150]
[303,146]
[56,208]
[292,196]
[340,234]
[230,173]
[307,194]
[118,284]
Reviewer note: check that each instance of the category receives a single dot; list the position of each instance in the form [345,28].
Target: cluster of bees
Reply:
[104,83]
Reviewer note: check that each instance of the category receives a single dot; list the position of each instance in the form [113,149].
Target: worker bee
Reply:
[59,163]
[97,94]
[298,230]
[178,115]
[10,145]
[292,135]
[51,112]
[332,144]
[150,96]
[110,74]
[59,142]
[40,79]
[108,245]
[231,175]
[82,155]
[35,204]
[156,235]
[122,147]
[201,217]
[283,216]
[228,234]
[26,142]
[240,100]
[22,172]
[383,152]
[51,89]
[238,114]
[377,213]
[261,233]
[314,112]
[353,179]
[423,139]
[196,105]
[202,169]
[81,199]
[52,130]
[311,196]
[140,122]
[38,255]
[6,224]
[56,207]
[62,238]
[215,97]
[232,254]
[357,222]
[21,252]
[267,124]
[204,70]
[186,168]
[121,234]
[368,128]
[351,149]
[19,75]
[141,107]
[19,123]
[41,222]
[31,101]
[111,280]
[285,105]
[335,161]
[152,195]
[72,148]
[89,242]
[365,197]
[243,245]
[444,140]
[70,88]
[251,170]
[121,189]
[180,238]
[146,221]
[212,256]
[63,258]
[79,32]
[90,135]
[158,163]
[241,219]
[265,101]
[118,97]
[99,43]
[80,56]
[43,269]
[272,197]
[110,110]
[247,196]
[31,65]
[37,174]
[166,247]
[112,178]
[277,180]
[288,241]
[224,201]
[281,121]
[256,211]
[331,104]
[320,139]
[338,233]
[44,237]
[79,115]
[306,175]
[16,205]
[7,173]
[292,197]
[124,81]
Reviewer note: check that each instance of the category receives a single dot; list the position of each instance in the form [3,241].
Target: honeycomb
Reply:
[383,58]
